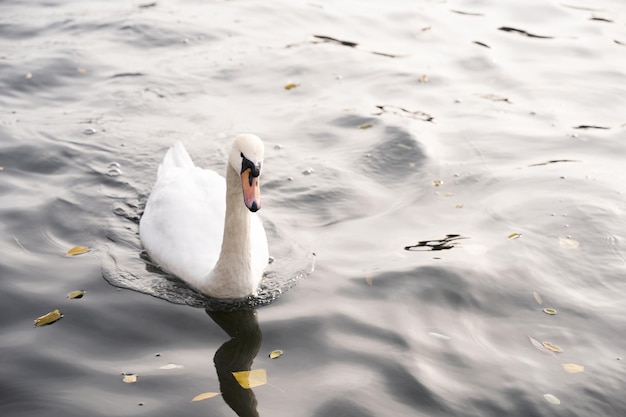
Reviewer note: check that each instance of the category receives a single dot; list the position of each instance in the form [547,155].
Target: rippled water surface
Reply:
[387,125]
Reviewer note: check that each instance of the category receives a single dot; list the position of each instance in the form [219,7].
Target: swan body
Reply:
[202,227]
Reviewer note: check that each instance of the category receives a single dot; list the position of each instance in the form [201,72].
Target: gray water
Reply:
[409,121]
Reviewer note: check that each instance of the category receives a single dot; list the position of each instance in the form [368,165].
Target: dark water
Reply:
[516,109]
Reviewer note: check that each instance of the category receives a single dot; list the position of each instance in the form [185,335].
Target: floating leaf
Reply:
[568,243]
[205,396]
[537,298]
[366,126]
[552,347]
[572,368]
[423,78]
[549,311]
[276,353]
[514,235]
[289,86]
[437,183]
[129,378]
[438,336]
[552,399]
[76,294]
[459,206]
[171,366]
[539,346]
[48,318]
[77,250]
[369,279]
[251,379]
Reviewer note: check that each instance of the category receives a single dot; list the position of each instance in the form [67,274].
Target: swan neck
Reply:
[233,270]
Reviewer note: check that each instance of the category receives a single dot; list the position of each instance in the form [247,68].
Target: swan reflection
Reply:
[237,355]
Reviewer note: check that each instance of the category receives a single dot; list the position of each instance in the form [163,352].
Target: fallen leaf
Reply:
[549,311]
[205,396]
[76,294]
[369,279]
[77,250]
[438,336]
[552,399]
[537,298]
[423,78]
[276,354]
[171,366]
[289,86]
[437,183]
[539,346]
[129,378]
[568,243]
[366,126]
[552,347]
[459,206]
[572,368]
[251,379]
[48,318]
[514,235]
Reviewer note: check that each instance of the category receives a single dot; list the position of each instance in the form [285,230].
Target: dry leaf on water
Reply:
[77,250]
[129,378]
[568,243]
[76,294]
[251,379]
[572,368]
[289,86]
[171,366]
[539,346]
[538,298]
[550,311]
[205,396]
[514,235]
[552,347]
[552,399]
[48,318]
[276,354]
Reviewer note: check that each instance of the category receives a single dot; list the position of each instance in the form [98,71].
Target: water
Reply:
[93,93]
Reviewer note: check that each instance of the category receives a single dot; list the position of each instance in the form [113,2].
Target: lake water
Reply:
[386,124]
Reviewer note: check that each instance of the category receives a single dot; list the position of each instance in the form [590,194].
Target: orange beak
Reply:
[251,190]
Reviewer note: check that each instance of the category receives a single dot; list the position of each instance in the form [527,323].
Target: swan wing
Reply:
[183,222]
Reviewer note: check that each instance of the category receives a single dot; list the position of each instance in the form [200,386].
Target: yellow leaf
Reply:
[568,243]
[276,353]
[77,250]
[49,318]
[366,126]
[552,347]
[549,311]
[459,206]
[572,368]
[514,235]
[129,378]
[251,379]
[423,78]
[437,183]
[76,294]
[205,396]
[538,298]
[289,86]
[552,399]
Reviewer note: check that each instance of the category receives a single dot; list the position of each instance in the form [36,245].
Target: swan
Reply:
[203,228]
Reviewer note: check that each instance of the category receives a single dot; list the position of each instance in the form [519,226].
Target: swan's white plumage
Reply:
[183,224]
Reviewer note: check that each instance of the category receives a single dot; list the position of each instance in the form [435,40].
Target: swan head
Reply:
[246,158]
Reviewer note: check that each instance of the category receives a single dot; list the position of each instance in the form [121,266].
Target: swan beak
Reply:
[251,190]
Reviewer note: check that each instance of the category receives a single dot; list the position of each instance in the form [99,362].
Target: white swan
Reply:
[203,229]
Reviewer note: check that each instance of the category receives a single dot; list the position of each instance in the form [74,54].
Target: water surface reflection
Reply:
[237,354]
